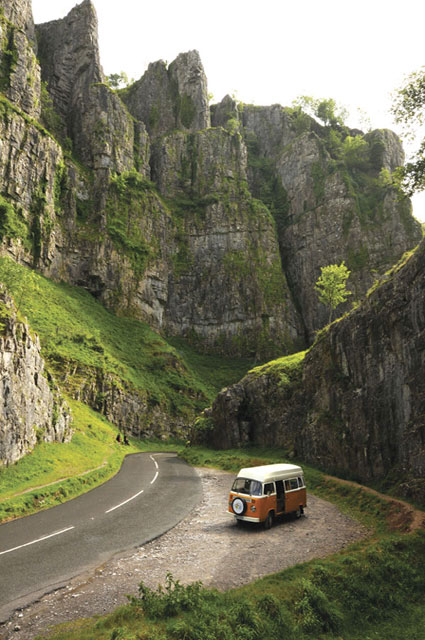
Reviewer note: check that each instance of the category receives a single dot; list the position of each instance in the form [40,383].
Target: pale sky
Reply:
[271,51]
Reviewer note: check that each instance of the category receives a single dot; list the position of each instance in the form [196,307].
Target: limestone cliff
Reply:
[171,97]
[214,233]
[331,199]
[355,404]
[19,67]
[31,407]
[193,253]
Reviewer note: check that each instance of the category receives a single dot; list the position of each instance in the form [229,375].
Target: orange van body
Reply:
[259,494]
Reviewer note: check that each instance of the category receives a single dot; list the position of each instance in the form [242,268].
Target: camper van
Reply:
[259,494]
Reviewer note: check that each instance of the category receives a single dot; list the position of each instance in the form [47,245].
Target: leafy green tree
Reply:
[118,80]
[409,111]
[19,282]
[325,109]
[355,152]
[331,286]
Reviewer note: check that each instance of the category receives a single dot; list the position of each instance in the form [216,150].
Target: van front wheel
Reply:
[268,522]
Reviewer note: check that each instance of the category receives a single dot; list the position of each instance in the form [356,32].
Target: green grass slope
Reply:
[78,335]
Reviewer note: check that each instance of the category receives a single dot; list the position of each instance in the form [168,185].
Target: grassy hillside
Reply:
[78,335]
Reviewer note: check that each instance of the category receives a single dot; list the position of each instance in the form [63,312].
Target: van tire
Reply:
[299,512]
[239,506]
[268,522]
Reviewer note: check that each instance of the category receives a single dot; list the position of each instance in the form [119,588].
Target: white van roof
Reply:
[269,472]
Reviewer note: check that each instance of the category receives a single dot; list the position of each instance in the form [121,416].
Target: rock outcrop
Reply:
[173,97]
[355,404]
[31,409]
[19,67]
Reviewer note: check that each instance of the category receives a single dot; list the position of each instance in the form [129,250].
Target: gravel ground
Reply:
[206,546]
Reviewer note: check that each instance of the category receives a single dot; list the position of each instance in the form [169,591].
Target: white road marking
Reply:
[125,502]
[51,535]
[136,494]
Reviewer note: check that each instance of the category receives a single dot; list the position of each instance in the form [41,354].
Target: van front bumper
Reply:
[246,518]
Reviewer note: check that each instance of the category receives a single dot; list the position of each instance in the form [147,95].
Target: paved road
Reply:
[149,495]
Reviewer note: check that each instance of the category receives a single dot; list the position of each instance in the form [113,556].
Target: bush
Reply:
[169,601]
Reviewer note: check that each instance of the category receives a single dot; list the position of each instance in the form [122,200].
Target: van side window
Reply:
[294,483]
[287,485]
[269,488]
[300,482]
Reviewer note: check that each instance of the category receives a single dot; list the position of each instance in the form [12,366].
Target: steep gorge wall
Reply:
[31,410]
[198,256]
[355,405]
[334,202]
[193,253]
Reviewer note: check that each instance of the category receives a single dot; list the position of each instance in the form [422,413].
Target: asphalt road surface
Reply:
[150,494]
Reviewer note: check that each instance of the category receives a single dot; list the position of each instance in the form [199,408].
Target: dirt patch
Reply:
[402,516]
[205,546]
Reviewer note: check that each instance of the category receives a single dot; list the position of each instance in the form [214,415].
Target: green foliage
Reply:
[319,175]
[409,111]
[169,601]
[331,286]
[21,282]
[8,54]
[287,369]
[49,116]
[326,109]
[12,222]
[118,80]
[355,152]
[131,198]
[215,371]
[316,613]
[301,120]
[266,184]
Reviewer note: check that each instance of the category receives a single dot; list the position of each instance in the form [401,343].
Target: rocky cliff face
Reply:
[194,254]
[330,197]
[31,409]
[213,233]
[19,67]
[171,97]
[355,403]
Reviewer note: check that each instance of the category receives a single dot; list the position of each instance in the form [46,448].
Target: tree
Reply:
[331,286]
[409,111]
[118,80]
[19,281]
[325,109]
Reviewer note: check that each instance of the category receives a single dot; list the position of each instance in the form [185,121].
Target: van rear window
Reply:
[244,485]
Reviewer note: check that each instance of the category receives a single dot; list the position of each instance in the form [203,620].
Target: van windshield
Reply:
[244,485]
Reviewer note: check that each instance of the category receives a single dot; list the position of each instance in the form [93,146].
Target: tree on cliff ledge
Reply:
[409,111]
[331,286]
